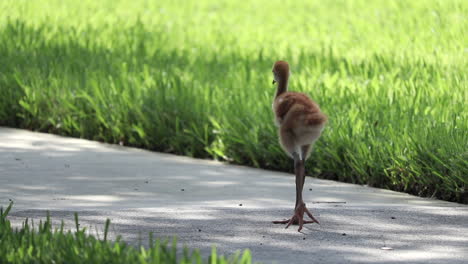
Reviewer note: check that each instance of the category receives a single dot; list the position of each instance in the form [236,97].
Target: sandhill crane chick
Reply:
[300,123]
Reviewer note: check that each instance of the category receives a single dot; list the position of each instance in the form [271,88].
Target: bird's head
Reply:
[280,71]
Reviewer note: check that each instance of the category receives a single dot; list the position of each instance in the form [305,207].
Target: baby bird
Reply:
[300,123]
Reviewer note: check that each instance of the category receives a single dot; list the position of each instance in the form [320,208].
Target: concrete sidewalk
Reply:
[207,203]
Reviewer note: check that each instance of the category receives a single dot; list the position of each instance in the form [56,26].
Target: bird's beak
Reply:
[273,82]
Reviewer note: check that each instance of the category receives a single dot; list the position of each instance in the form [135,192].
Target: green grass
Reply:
[44,244]
[194,78]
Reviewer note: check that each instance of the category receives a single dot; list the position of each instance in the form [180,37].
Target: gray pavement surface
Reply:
[207,203]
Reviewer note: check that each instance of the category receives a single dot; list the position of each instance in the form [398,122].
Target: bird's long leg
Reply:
[300,175]
[300,208]
[299,167]
[304,155]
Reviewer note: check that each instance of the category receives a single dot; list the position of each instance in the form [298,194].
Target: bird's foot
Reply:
[298,217]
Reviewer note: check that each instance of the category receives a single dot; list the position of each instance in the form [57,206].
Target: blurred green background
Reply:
[194,78]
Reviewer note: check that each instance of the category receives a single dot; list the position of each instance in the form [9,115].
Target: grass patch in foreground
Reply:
[48,245]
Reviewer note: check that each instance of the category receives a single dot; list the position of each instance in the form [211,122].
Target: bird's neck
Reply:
[282,86]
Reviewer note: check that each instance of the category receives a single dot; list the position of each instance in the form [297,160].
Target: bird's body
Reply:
[299,119]
[300,123]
